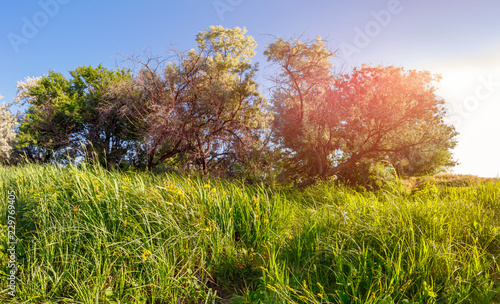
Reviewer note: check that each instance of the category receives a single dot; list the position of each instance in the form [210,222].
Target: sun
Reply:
[472,99]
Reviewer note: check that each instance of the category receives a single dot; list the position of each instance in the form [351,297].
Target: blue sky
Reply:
[458,39]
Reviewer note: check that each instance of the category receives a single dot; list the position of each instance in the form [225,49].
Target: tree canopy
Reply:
[202,109]
[328,123]
[63,117]
[7,134]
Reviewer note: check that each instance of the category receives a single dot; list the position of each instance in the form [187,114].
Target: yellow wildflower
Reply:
[266,219]
[145,254]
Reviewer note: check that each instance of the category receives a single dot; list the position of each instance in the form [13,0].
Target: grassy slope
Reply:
[92,236]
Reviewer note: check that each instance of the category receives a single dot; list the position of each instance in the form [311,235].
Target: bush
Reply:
[371,176]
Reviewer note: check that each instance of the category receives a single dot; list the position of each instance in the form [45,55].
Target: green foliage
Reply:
[205,108]
[328,123]
[303,124]
[428,160]
[88,234]
[65,115]
[203,111]
[93,235]
[372,176]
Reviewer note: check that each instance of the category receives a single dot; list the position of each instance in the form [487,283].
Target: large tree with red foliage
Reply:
[329,123]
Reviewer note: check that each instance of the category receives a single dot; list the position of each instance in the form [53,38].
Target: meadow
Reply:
[88,235]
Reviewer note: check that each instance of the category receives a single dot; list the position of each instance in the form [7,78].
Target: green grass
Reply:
[88,235]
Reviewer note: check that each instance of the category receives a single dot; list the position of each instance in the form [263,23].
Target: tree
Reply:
[64,116]
[8,123]
[203,108]
[431,159]
[329,124]
[391,112]
[304,124]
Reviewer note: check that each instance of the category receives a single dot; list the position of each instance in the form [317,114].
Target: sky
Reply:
[458,39]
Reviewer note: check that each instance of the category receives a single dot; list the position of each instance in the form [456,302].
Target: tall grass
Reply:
[87,235]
